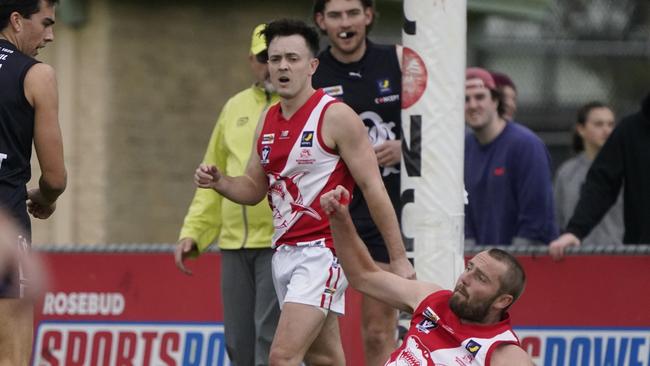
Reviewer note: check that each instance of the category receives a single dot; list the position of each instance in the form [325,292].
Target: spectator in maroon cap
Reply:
[508,91]
[507,172]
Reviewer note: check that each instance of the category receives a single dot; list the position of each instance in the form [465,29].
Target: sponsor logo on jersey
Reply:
[242,121]
[284,135]
[268,138]
[307,139]
[334,91]
[499,171]
[472,347]
[387,99]
[266,151]
[383,86]
[305,157]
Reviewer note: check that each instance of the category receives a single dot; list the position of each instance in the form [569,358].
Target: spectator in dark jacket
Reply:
[624,161]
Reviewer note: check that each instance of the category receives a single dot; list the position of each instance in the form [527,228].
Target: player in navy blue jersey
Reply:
[367,76]
[28,114]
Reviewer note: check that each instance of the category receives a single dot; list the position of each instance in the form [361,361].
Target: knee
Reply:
[282,357]
[322,359]
[377,338]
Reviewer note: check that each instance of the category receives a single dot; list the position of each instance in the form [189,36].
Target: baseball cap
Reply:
[258,42]
[501,80]
[481,74]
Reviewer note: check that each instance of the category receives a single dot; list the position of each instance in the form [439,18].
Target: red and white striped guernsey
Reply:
[300,168]
[437,337]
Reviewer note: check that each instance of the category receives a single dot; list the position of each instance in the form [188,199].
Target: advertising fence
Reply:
[130,306]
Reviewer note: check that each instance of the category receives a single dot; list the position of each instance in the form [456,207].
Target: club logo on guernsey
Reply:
[286,189]
[307,139]
[305,157]
[266,151]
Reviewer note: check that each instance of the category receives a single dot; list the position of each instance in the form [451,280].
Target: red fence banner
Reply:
[138,309]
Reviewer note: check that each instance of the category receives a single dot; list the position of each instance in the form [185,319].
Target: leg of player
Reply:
[298,327]
[16,336]
[379,327]
[327,348]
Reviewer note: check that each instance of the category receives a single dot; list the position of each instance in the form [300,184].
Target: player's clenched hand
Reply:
[389,153]
[207,176]
[38,206]
[335,201]
[184,249]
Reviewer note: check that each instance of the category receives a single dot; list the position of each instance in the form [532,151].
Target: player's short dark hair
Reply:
[513,280]
[583,114]
[24,7]
[319,7]
[290,27]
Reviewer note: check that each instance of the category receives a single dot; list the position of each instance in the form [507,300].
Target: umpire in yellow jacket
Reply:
[243,233]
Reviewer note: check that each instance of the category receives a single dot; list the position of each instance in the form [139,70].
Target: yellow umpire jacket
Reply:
[211,216]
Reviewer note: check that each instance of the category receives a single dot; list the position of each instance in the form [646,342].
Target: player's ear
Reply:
[503,301]
[313,65]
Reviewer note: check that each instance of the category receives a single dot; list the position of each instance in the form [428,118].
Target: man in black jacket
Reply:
[624,161]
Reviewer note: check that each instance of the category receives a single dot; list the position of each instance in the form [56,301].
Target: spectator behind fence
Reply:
[29,106]
[507,173]
[594,125]
[508,91]
[361,73]
[250,306]
[624,161]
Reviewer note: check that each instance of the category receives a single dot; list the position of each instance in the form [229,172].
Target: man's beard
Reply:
[474,312]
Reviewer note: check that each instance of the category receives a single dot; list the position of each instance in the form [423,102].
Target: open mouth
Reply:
[346,35]
[283,79]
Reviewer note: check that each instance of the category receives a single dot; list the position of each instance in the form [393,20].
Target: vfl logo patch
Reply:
[472,347]
[383,86]
[334,91]
[307,139]
[425,326]
[266,151]
[268,138]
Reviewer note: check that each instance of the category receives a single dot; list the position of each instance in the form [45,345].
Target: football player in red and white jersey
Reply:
[469,324]
[321,136]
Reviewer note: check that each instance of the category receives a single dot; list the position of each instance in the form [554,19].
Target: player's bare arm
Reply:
[345,132]
[360,269]
[247,189]
[510,355]
[41,93]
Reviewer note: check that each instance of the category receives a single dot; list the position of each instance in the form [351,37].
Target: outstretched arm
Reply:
[345,131]
[360,270]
